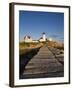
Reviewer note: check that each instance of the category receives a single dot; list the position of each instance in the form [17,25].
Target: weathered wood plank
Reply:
[43,62]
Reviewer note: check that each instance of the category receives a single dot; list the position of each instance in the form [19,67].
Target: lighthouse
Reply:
[44,36]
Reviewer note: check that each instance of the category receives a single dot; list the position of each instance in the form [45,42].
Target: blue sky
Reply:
[34,23]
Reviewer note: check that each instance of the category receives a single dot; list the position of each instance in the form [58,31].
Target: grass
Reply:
[27,47]
[27,44]
[59,47]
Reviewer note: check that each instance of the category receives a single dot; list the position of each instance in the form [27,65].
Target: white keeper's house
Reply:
[27,38]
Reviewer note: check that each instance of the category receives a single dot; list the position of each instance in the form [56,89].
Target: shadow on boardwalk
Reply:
[25,58]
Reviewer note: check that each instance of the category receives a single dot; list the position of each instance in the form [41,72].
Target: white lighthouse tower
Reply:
[44,36]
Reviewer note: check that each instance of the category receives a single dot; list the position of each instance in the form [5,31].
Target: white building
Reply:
[35,41]
[43,38]
[27,39]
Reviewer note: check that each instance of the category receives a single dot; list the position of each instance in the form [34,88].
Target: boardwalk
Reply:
[43,64]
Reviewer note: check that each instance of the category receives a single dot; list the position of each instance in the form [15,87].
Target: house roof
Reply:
[27,37]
